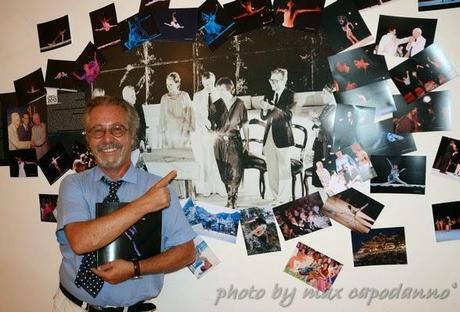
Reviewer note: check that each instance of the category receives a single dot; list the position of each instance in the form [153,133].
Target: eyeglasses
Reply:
[271,80]
[97,132]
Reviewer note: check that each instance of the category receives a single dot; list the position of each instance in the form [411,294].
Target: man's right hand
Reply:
[158,196]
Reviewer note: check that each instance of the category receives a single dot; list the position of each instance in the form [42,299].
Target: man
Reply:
[110,127]
[13,138]
[388,44]
[208,180]
[39,136]
[408,123]
[24,130]
[278,137]
[129,95]
[416,43]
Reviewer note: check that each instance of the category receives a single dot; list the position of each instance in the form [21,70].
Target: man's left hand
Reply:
[115,272]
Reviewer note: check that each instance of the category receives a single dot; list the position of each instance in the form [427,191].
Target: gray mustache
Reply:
[102,147]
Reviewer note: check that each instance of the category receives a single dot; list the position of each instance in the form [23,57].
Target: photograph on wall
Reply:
[363,4]
[404,36]
[205,259]
[83,158]
[48,203]
[357,68]
[54,34]
[59,75]
[173,79]
[377,94]
[211,220]
[249,14]
[301,216]
[353,209]
[89,64]
[348,121]
[432,112]
[104,24]
[55,163]
[298,14]
[381,246]
[399,174]
[344,169]
[446,220]
[137,29]
[447,159]
[426,5]
[27,127]
[312,267]
[380,139]
[152,5]
[177,24]
[214,24]
[23,163]
[344,26]
[8,105]
[422,73]
[259,231]
[30,88]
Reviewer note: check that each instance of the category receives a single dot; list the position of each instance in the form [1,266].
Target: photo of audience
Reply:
[301,216]
[446,218]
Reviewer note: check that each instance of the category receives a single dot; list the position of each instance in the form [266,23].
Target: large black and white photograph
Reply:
[432,112]
[54,34]
[344,26]
[404,36]
[209,115]
[399,174]
[104,24]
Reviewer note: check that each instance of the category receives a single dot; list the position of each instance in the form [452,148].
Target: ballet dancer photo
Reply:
[54,34]
[177,24]
[55,163]
[298,14]
[214,24]
[105,26]
[399,174]
[249,14]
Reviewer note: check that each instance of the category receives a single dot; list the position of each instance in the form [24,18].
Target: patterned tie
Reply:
[85,277]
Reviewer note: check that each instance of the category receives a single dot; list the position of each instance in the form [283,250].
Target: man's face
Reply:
[277,82]
[208,84]
[110,152]
[36,119]
[223,92]
[25,119]
[415,34]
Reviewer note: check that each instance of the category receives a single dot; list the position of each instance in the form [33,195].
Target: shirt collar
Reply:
[130,175]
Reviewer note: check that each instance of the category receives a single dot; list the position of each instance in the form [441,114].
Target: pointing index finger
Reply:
[166,179]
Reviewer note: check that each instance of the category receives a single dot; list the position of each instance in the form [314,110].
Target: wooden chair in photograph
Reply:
[300,141]
[253,160]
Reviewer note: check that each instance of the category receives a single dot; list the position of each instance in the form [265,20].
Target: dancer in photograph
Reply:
[229,116]
[21,166]
[409,83]
[92,69]
[290,14]
[416,43]
[39,138]
[61,75]
[174,22]
[348,28]
[393,176]
[446,157]
[202,139]
[344,163]
[389,43]
[278,136]
[58,39]
[13,137]
[105,24]
[137,34]
[175,114]
[211,29]
[54,162]
[249,9]
[408,123]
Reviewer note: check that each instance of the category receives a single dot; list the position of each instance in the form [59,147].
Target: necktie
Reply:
[85,277]
[276,98]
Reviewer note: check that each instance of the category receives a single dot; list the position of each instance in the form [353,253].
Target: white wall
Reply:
[29,256]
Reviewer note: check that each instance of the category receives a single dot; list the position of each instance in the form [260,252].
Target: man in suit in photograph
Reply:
[278,137]
[24,130]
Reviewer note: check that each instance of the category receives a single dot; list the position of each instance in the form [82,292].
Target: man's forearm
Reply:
[171,260]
